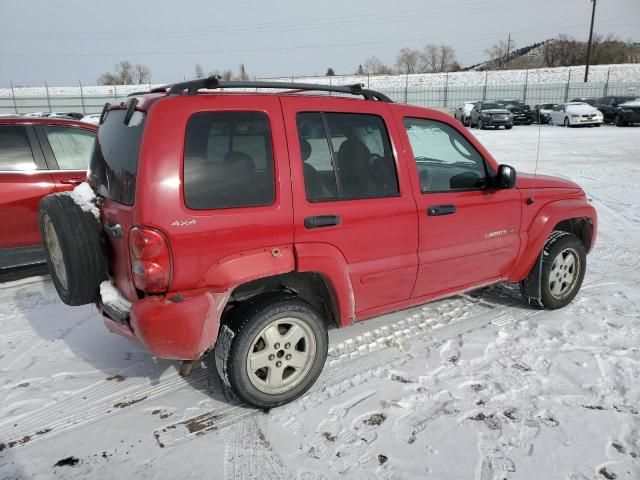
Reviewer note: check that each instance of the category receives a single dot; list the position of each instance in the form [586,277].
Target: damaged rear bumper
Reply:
[180,325]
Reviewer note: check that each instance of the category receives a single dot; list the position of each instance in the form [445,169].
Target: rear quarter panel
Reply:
[210,247]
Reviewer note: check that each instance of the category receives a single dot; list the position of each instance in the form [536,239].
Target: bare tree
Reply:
[499,54]
[375,66]
[438,58]
[125,74]
[142,73]
[407,60]
[108,78]
[199,71]
[227,75]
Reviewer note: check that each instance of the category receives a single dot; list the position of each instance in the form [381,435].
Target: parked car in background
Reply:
[541,112]
[38,156]
[93,118]
[588,100]
[574,114]
[490,114]
[72,115]
[522,114]
[36,114]
[620,110]
[463,112]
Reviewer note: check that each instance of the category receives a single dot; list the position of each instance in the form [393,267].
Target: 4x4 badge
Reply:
[183,223]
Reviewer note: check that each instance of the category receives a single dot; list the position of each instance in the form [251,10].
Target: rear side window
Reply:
[72,147]
[15,151]
[114,163]
[228,161]
[346,156]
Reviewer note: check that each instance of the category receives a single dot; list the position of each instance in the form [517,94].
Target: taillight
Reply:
[150,260]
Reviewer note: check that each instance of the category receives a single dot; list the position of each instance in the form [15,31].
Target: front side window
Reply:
[72,147]
[228,161]
[346,156]
[15,151]
[445,160]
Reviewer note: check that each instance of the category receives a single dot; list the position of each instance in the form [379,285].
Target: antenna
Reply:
[532,199]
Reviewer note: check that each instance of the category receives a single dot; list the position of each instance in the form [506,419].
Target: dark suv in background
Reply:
[490,114]
[620,110]
[522,114]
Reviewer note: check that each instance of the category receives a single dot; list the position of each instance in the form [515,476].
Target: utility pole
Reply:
[593,15]
[508,48]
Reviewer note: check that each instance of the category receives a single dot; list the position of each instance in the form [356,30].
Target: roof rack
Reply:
[214,82]
[160,89]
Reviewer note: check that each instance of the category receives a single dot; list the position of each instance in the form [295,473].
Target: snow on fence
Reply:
[545,85]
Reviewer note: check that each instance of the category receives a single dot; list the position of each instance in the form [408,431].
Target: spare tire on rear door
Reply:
[71,237]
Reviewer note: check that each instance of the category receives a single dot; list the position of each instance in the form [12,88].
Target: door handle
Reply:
[72,181]
[437,210]
[321,221]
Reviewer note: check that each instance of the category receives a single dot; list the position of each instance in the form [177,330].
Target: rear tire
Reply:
[73,250]
[508,127]
[256,335]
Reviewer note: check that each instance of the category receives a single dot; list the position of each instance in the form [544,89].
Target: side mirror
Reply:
[506,177]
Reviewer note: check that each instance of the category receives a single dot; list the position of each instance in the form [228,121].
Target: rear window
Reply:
[228,161]
[114,163]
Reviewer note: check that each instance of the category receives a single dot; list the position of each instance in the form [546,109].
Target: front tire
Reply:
[481,125]
[564,261]
[619,122]
[272,349]
[566,122]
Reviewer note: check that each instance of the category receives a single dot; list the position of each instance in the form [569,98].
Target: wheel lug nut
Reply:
[271,357]
[287,345]
[276,346]
[278,364]
[288,357]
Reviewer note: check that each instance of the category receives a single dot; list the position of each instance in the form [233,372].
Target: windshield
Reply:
[491,105]
[114,164]
[625,99]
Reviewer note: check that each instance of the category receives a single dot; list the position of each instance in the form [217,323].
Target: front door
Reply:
[351,194]
[468,230]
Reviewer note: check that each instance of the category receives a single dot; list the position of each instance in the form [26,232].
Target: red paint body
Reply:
[385,255]
[21,191]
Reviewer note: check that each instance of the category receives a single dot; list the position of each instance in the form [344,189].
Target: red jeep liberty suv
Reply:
[242,224]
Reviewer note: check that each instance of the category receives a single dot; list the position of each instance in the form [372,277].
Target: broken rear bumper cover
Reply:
[180,325]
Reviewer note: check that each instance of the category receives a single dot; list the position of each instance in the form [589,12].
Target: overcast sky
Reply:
[66,41]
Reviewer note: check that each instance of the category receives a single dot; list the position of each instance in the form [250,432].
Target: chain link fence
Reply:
[91,99]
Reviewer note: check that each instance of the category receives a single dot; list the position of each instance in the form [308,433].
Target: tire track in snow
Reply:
[358,360]
[350,362]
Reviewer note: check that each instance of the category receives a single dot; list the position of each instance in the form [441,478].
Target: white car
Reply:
[93,118]
[463,112]
[573,114]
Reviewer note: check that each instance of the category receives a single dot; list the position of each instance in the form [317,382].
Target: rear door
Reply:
[350,192]
[68,152]
[468,230]
[24,180]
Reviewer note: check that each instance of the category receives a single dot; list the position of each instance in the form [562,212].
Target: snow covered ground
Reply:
[478,386]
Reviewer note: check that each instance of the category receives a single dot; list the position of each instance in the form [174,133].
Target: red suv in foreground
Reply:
[38,156]
[241,225]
